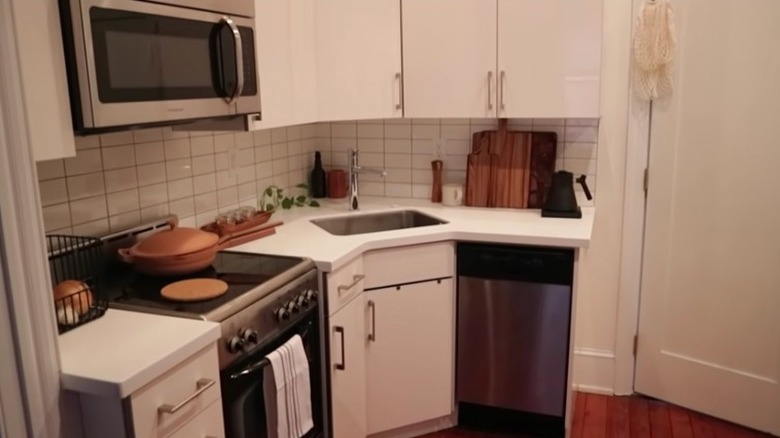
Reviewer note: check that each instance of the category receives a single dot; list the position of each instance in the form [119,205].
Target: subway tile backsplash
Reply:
[405,148]
[119,180]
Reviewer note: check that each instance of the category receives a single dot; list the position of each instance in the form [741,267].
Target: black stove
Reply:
[269,299]
[249,276]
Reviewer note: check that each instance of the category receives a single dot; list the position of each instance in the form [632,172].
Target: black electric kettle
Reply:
[561,201]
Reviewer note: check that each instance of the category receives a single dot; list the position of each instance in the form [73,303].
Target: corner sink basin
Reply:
[372,223]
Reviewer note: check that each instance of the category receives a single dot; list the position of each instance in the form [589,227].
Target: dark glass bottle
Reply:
[317,183]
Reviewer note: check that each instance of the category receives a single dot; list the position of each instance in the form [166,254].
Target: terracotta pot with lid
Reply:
[177,251]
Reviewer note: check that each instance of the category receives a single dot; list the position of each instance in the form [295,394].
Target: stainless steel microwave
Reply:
[139,62]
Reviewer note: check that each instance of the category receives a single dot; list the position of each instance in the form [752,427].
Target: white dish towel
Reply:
[287,391]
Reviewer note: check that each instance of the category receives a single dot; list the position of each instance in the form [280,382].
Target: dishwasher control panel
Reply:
[528,263]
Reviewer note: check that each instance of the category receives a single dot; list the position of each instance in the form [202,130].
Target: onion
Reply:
[72,298]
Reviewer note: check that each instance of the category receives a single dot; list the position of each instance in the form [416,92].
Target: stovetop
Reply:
[249,276]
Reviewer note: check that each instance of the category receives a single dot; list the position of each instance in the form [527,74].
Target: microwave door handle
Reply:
[239,52]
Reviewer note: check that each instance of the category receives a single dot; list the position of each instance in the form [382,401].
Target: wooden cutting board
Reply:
[544,147]
[478,170]
[510,170]
[263,230]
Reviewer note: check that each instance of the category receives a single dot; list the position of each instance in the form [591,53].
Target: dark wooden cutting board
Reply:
[544,147]
[478,170]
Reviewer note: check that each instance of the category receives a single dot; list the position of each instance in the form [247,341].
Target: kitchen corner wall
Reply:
[121,179]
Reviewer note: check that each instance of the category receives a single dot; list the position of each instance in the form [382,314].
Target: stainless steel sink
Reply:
[372,223]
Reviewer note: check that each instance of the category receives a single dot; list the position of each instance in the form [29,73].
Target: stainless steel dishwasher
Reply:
[514,312]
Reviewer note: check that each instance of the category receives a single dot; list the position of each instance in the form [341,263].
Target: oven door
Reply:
[242,383]
[154,63]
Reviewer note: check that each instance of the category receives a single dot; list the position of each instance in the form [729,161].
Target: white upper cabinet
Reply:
[502,58]
[549,58]
[44,81]
[358,59]
[449,49]
[286,62]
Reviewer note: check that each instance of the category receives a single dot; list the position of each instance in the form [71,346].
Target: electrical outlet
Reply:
[441,147]
[233,160]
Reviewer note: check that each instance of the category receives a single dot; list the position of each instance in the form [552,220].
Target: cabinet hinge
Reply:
[646,180]
[636,344]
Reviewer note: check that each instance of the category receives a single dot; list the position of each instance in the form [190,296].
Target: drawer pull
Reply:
[203,386]
[355,280]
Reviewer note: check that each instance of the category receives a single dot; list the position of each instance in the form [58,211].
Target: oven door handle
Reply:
[262,363]
[343,365]
[251,369]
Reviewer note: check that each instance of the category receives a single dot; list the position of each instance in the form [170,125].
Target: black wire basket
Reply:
[76,267]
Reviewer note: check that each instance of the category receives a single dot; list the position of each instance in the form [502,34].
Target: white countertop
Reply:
[94,362]
[122,351]
[299,237]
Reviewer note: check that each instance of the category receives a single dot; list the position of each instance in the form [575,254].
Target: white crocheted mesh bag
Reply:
[654,44]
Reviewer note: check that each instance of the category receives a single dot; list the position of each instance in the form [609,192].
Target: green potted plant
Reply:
[275,197]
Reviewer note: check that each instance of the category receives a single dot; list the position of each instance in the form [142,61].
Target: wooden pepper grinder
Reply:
[436,166]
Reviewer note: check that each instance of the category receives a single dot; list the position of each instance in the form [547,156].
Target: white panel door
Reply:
[549,58]
[286,61]
[348,370]
[449,58]
[410,354]
[709,331]
[359,59]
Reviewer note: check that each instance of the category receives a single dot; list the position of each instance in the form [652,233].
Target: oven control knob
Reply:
[249,336]
[293,307]
[311,294]
[236,345]
[282,313]
[302,300]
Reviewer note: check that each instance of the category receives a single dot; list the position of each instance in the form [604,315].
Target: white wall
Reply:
[596,325]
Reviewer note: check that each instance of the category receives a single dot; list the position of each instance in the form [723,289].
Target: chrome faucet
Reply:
[354,169]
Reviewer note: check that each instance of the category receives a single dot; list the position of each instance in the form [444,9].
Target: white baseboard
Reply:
[593,389]
[594,371]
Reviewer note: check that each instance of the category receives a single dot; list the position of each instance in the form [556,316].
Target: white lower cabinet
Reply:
[392,355]
[347,330]
[183,402]
[410,354]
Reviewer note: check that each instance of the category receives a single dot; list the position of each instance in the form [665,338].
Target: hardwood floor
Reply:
[598,416]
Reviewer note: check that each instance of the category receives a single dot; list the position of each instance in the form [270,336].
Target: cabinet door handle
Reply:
[372,335]
[501,84]
[203,385]
[399,79]
[343,365]
[355,280]
[490,90]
